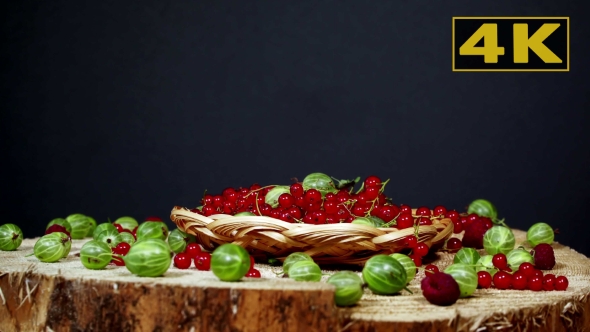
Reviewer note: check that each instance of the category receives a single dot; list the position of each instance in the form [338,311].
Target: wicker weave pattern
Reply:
[342,243]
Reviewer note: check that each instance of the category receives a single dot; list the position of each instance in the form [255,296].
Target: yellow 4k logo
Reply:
[511,44]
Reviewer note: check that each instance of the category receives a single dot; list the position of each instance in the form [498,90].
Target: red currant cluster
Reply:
[526,277]
[202,260]
[308,206]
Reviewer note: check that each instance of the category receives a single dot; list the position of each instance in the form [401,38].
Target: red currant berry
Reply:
[538,273]
[253,273]
[372,181]
[372,193]
[527,268]
[471,218]
[228,207]
[207,199]
[484,279]
[330,197]
[454,244]
[192,249]
[255,186]
[119,227]
[488,222]
[118,261]
[423,211]
[421,249]
[431,268]
[499,260]
[388,212]
[203,261]
[424,221]
[411,241]
[417,259]
[208,210]
[294,212]
[453,215]
[549,282]
[405,220]
[561,283]
[218,201]
[296,190]
[286,200]
[300,202]
[331,207]
[182,261]
[502,280]
[535,283]
[405,209]
[519,280]
[122,248]
[439,210]
[312,195]
[457,227]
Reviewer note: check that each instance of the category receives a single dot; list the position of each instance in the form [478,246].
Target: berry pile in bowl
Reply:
[334,221]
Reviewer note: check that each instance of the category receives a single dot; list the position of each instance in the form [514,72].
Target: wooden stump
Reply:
[65,296]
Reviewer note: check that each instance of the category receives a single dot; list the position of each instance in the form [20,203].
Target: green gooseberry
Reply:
[230,262]
[349,288]
[305,271]
[540,233]
[177,240]
[467,256]
[319,181]
[384,275]
[486,263]
[293,258]
[80,225]
[110,237]
[11,237]
[363,221]
[518,256]
[95,255]
[378,222]
[65,239]
[408,265]
[148,258]
[127,238]
[152,230]
[101,228]
[498,239]
[465,276]
[92,226]
[272,197]
[483,208]
[61,222]
[128,223]
[244,214]
[50,248]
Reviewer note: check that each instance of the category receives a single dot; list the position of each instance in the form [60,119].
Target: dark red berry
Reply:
[544,256]
[453,215]
[122,248]
[405,220]
[423,211]
[286,200]
[527,268]
[411,241]
[417,259]
[440,289]
[439,210]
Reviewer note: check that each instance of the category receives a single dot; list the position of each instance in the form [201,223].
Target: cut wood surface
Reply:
[65,296]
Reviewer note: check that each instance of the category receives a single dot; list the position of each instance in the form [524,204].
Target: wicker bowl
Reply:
[342,243]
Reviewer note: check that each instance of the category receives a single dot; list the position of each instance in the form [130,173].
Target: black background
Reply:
[556,42]
[129,108]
